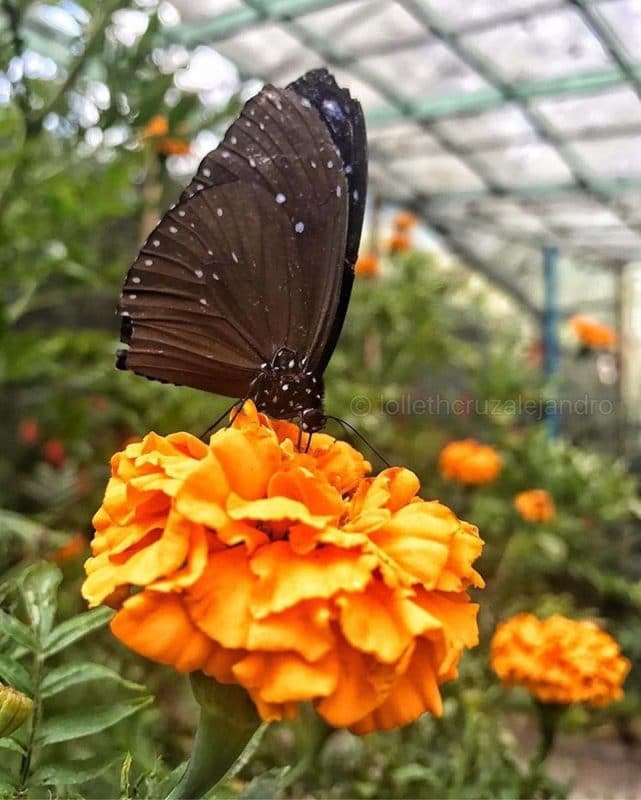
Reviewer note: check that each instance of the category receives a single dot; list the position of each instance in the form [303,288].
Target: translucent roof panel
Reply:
[508,126]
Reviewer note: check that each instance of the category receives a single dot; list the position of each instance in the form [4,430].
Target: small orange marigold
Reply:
[367,265]
[559,660]
[592,333]
[469,462]
[535,505]
[291,573]
[399,242]
[404,220]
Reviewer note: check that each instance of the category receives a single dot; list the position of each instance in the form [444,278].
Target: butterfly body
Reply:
[243,287]
[287,389]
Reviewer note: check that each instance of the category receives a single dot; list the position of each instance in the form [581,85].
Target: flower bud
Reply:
[15,708]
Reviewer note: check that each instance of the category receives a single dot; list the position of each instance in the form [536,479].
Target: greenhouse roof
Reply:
[509,126]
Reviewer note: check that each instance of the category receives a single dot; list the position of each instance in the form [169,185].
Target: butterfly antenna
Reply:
[220,419]
[349,427]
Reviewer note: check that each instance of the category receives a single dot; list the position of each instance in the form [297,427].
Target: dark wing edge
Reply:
[343,116]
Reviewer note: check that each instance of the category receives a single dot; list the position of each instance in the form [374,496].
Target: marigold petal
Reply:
[286,578]
[238,532]
[194,568]
[158,627]
[304,629]
[414,692]
[203,494]
[362,685]
[286,677]
[219,602]
[248,460]
[381,621]
[319,497]
[276,509]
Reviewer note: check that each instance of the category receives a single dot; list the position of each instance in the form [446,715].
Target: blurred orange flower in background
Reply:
[158,125]
[75,546]
[367,265]
[559,660]
[28,430]
[54,452]
[592,333]
[404,220]
[469,462]
[535,505]
[399,243]
[173,146]
[291,573]
[157,129]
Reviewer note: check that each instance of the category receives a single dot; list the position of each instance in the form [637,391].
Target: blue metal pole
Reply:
[550,320]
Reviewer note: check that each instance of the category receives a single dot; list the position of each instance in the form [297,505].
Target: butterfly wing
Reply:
[345,121]
[251,258]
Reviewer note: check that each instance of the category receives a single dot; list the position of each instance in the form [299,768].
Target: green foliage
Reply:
[37,657]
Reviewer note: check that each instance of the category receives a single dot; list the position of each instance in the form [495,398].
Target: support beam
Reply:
[222,26]
[550,321]
[451,105]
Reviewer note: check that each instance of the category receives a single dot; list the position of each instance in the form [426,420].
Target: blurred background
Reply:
[498,297]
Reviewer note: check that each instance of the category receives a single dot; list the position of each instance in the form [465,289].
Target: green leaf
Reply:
[17,631]
[75,628]
[70,774]
[39,588]
[269,784]
[69,675]
[11,744]
[13,673]
[93,720]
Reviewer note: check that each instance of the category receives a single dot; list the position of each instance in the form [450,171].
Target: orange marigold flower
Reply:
[74,547]
[399,243]
[468,461]
[28,430]
[535,505]
[559,660]
[592,333]
[173,146]
[54,452]
[404,220]
[158,125]
[367,265]
[291,573]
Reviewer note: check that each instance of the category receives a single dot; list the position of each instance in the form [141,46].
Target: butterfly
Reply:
[242,288]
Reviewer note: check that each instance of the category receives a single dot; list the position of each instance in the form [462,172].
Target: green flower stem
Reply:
[27,759]
[228,720]
[549,717]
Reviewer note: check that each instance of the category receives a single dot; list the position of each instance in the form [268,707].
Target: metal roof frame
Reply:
[427,113]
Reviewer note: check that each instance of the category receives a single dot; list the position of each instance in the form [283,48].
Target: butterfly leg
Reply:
[300,432]
[213,427]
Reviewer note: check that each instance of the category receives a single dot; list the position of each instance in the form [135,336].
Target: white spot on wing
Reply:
[173,229]
[203,301]
[148,262]
[198,273]
[219,211]
[280,197]
[299,227]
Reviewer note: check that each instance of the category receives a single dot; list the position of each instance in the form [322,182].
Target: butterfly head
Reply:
[286,388]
